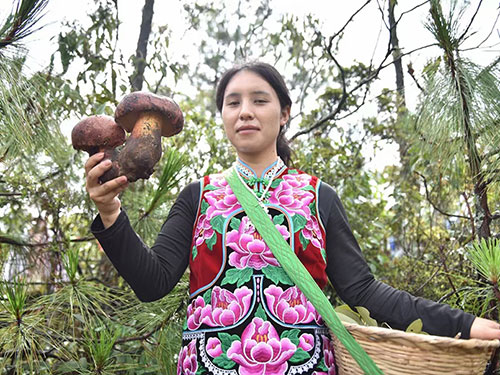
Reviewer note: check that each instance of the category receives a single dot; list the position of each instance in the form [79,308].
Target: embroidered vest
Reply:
[245,315]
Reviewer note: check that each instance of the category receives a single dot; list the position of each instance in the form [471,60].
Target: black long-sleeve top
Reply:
[153,272]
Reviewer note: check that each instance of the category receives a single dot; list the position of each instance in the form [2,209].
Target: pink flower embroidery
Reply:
[297,181]
[306,341]
[214,348]
[293,200]
[312,232]
[227,307]
[249,248]
[196,312]
[290,306]
[187,364]
[328,353]
[222,202]
[218,180]
[203,230]
[261,351]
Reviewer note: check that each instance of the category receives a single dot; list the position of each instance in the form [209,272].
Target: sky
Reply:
[366,31]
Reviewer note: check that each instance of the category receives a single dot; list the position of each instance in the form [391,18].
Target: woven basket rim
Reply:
[380,333]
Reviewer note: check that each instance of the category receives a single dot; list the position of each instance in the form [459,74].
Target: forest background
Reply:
[405,129]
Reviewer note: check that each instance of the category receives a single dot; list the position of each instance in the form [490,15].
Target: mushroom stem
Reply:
[142,149]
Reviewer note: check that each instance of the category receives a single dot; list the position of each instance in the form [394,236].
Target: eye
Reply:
[261,101]
[232,103]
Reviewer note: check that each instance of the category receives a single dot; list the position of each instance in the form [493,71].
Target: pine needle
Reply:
[21,22]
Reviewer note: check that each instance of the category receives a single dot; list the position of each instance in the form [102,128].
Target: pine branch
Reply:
[21,23]
[461,37]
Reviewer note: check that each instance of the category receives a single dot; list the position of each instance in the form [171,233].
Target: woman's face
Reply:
[252,115]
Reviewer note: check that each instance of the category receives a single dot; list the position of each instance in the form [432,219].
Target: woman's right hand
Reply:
[105,196]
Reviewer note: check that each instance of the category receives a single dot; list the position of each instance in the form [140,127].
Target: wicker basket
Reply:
[398,352]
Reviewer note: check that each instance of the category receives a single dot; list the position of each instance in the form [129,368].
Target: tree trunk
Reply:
[137,78]
[396,54]
[400,87]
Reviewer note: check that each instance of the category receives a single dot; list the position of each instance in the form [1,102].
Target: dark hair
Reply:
[274,78]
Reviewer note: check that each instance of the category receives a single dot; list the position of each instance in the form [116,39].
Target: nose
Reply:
[246,112]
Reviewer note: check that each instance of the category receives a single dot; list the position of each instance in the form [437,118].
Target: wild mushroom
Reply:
[148,117]
[99,134]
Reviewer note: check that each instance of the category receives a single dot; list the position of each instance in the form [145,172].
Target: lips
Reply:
[244,128]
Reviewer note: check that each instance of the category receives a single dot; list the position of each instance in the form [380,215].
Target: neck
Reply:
[258,164]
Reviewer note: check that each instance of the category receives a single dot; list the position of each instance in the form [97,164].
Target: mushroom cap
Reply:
[133,104]
[96,132]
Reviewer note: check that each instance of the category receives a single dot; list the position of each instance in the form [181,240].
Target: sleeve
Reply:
[152,272]
[351,277]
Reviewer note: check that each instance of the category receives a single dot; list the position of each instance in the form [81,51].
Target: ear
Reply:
[285,115]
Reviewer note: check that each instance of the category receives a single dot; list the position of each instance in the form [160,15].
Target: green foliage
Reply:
[26,126]
[485,256]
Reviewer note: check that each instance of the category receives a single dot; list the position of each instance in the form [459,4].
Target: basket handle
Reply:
[297,272]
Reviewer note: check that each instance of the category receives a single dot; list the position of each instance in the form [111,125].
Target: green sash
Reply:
[297,272]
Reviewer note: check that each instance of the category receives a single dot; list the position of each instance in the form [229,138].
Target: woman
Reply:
[245,315]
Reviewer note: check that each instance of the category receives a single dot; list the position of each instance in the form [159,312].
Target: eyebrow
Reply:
[257,92]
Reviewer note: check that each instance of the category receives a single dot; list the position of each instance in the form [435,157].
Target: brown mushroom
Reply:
[148,117]
[99,134]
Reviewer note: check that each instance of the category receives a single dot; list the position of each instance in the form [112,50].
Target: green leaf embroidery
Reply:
[211,187]
[322,366]
[292,335]
[278,219]
[293,171]
[246,274]
[323,254]
[211,241]
[276,183]
[226,340]
[204,207]
[217,223]
[277,275]
[260,313]
[312,207]
[303,241]
[224,362]
[309,188]
[201,370]
[300,356]
[299,222]
[235,223]
[194,252]
[234,275]
[207,297]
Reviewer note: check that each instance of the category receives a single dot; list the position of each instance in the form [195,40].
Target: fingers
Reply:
[95,168]
[485,329]
[105,192]
[102,194]
[93,161]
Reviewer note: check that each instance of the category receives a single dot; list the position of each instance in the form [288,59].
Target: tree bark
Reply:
[396,54]
[137,78]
